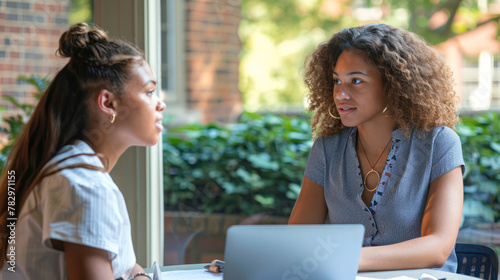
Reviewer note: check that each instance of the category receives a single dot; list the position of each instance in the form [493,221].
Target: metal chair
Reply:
[477,260]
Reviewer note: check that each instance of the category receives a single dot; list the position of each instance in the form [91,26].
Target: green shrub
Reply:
[257,166]
[253,166]
[480,136]
[15,123]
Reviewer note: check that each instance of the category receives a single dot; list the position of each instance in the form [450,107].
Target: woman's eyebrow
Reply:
[150,81]
[352,73]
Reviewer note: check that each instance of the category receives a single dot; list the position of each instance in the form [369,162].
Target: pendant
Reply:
[366,176]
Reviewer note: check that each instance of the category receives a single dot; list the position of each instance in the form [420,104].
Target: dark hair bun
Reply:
[79,37]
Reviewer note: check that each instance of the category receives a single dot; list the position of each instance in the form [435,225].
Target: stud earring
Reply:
[329,112]
[112,118]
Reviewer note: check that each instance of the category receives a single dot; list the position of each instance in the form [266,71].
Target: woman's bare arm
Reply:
[310,207]
[440,225]
[84,262]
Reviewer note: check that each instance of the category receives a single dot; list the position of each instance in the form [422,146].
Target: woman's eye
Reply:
[150,92]
[356,81]
[336,81]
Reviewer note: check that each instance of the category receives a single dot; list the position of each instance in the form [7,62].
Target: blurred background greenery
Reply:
[277,36]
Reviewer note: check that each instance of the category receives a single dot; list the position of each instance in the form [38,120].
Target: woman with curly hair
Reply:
[385,155]
[70,218]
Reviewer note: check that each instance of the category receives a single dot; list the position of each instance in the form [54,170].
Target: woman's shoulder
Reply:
[73,168]
[343,135]
[331,145]
[439,133]
[76,152]
[443,130]
[437,137]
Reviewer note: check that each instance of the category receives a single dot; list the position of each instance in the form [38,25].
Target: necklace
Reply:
[372,166]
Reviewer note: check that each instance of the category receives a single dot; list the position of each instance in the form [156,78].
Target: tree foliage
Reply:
[437,21]
[80,11]
[278,35]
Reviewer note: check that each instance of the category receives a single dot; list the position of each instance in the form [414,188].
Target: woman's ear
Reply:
[106,102]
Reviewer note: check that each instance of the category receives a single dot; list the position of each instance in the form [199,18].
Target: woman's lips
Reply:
[346,110]
[159,126]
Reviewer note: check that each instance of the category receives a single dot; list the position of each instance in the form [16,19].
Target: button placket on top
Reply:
[384,178]
[359,182]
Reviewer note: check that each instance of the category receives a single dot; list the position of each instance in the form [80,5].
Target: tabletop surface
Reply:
[414,273]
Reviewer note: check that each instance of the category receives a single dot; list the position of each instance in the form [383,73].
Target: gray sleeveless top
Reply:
[397,207]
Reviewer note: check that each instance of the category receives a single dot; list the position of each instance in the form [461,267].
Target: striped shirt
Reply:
[397,207]
[78,205]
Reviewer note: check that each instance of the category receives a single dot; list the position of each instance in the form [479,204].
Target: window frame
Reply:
[139,171]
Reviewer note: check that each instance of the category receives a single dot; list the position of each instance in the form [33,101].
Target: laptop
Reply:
[292,252]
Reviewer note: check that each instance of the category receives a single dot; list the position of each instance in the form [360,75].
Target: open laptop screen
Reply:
[292,252]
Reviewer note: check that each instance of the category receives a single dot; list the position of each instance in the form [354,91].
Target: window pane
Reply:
[248,56]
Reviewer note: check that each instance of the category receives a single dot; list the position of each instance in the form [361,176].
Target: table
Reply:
[414,273]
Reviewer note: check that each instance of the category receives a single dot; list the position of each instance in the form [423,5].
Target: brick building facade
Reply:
[212,59]
[29,36]
[29,33]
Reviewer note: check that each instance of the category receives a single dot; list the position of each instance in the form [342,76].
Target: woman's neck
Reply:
[374,138]
[107,147]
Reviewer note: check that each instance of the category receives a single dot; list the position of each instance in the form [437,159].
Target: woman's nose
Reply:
[161,105]
[340,92]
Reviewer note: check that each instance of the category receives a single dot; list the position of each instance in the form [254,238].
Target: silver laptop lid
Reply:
[292,252]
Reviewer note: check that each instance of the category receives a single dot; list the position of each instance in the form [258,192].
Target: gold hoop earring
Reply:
[383,111]
[112,118]
[329,112]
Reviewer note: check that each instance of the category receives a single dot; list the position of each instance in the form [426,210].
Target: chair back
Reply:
[477,260]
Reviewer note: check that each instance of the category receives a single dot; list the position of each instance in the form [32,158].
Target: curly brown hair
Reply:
[418,83]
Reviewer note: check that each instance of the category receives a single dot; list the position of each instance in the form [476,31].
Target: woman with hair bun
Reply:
[70,218]
[385,153]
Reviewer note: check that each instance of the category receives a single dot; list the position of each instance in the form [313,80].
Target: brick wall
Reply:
[29,35]
[212,50]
